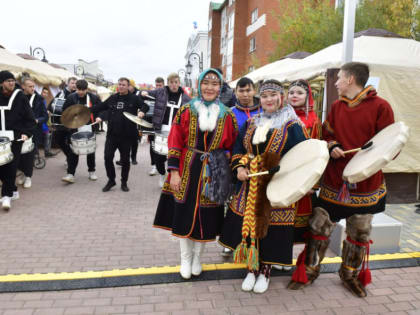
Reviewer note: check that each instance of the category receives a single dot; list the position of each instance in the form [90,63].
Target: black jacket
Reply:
[73,99]
[20,117]
[112,110]
[38,108]
[161,96]
[227,96]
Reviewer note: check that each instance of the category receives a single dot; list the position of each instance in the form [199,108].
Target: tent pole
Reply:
[348,30]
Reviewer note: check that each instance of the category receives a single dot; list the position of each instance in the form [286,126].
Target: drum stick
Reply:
[270,171]
[151,97]
[366,146]
[96,122]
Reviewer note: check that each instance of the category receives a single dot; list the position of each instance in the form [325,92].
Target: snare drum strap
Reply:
[8,107]
[31,100]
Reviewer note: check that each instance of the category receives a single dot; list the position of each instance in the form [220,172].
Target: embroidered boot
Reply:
[308,266]
[352,257]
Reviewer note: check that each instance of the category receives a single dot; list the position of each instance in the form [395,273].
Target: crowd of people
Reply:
[216,142]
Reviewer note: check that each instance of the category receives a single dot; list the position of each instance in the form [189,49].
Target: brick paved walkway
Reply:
[394,291]
[57,227]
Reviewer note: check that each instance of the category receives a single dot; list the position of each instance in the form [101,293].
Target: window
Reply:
[231,2]
[252,44]
[254,16]
[251,68]
[210,25]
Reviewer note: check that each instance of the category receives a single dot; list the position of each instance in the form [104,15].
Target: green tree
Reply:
[309,25]
[306,25]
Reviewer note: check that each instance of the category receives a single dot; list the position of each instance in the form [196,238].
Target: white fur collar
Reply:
[207,115]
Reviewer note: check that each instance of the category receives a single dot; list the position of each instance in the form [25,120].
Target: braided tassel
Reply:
[241,252]
[252,259]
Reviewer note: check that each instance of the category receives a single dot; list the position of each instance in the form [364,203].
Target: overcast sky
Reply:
[140,39]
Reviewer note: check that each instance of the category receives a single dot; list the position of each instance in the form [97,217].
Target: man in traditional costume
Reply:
[16,122]
[247,105]
[354,119]
[266,235]
[202,129]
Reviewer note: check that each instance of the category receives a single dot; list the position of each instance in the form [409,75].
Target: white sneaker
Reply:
[27,183]
[227,252]
[6,203]
[69,178]
[162,180]
[20,180]
[262,284]
[92,176]
[15,195]
[249,282]
[153,171]
[282,268]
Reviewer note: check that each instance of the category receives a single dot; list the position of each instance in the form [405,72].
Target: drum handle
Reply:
[271,171]
[366,146]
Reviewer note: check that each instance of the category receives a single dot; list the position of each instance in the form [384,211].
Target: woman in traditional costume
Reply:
[267,233]
[201,128]
[301,99]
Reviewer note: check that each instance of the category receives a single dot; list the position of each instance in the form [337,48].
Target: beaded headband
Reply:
[299,84]
[211,76]
[271,86]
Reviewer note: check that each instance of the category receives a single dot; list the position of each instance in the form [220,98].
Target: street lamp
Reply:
[189,66]
[36,52]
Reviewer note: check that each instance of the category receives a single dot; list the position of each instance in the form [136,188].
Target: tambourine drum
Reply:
[83,142]
[57,110]
[27,146]
[160,145]
[386,144]
[300,169]
[6,155]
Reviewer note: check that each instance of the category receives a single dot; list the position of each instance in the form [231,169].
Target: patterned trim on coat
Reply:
[356,199]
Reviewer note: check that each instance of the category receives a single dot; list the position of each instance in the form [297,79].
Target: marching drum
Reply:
[83,142]
[300,169]
[385,146]
[6,155]
[160,145]
[57,111]
[27,146]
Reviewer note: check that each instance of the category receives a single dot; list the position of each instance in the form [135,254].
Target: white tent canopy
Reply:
[394,61]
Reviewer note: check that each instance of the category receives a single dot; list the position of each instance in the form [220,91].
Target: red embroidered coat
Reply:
[350,124]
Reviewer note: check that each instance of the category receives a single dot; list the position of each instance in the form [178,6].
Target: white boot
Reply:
[186,246]
[262,284]
[196,264]
[249,282]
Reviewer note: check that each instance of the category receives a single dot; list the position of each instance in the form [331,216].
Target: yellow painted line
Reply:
[166,270]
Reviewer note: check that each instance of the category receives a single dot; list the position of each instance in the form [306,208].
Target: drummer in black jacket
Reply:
[121,131]
[18,121]
[81,96]
[36,101]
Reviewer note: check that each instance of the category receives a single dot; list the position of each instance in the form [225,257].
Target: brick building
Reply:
[240,35]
